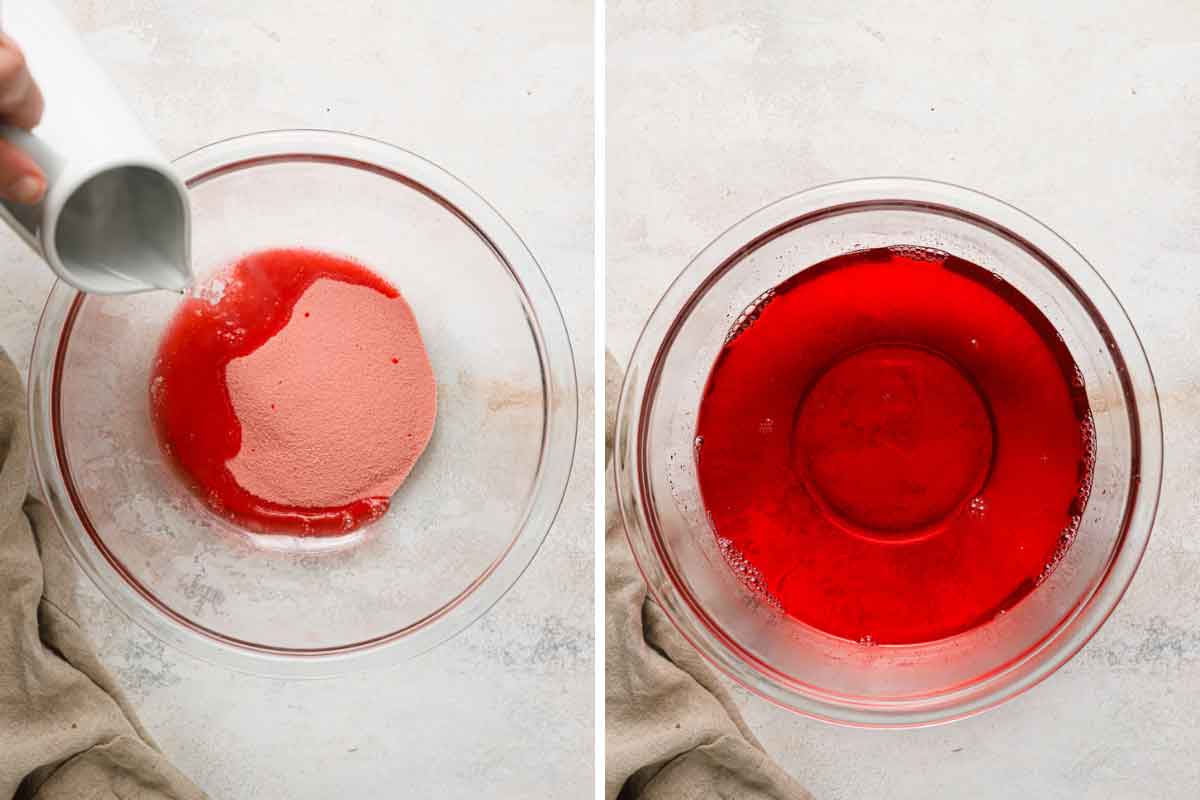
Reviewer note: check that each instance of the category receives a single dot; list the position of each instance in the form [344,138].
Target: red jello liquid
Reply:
[897,445]
[189,398]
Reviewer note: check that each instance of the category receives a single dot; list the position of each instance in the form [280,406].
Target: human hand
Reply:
[21,105]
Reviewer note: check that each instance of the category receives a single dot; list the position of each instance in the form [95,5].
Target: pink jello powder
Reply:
[338,405]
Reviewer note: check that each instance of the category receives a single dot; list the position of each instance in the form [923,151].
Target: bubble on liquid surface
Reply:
[1088,432]
[915,253]
[233,336]
[746,572]
[1065,539]
[977,507]
[750,315]
[211,291]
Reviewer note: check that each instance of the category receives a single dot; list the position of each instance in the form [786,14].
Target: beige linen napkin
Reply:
[672,730]
[66,730]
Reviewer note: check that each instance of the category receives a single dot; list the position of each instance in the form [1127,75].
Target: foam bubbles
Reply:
[750,315]
[211,291]
[746,572]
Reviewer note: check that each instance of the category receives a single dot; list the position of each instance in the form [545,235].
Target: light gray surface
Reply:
[1088,117]
[504,101]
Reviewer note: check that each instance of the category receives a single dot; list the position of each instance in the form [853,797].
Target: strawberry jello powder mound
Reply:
[294,393]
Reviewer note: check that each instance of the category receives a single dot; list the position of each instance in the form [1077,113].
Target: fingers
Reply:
[21,105]
[21,101]
[21,180]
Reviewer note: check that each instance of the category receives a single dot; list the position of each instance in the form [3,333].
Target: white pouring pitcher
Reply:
[115,217]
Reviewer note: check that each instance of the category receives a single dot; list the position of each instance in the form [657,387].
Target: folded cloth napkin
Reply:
[66,730]
[672,729]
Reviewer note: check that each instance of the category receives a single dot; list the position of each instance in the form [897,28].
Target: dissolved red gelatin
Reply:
[895,446]
[189,398]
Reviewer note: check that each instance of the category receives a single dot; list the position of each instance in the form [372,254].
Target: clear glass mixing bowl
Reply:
[793,664]
[462,528]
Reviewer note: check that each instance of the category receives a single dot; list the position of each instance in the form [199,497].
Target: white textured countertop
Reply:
[1084,114]
[504,101]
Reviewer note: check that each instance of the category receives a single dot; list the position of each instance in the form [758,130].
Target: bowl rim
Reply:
[1000,218]
[558,435]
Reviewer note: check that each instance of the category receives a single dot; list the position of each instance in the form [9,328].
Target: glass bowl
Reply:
[467,521]
[780,658]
